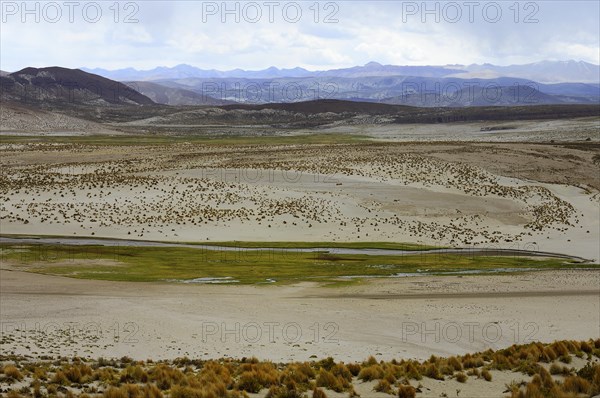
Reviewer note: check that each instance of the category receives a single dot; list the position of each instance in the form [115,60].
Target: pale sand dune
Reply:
[392,318]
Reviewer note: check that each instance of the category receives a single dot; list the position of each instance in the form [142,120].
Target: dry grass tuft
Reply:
[354,368]
[318,393]
[12,372]
[406,391]
[455,364]
[383,386]
[371,372]
[329,380]
[487,376]
[433,372]
[577,385]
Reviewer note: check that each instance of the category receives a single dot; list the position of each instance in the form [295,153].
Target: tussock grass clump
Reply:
[577,385]
[214,373]
[78,373]
[455,364]
[190,392]
[487,376]
[469,361]
[528,367]
[165,376]
[134,374]
[106,375]
[40,373]
[548,354]
[354,368]
[406,391]
[60,378]
[329,380]
[13,394]
[229,378]
[383,386]
[283,392]
[586,347]
[565,359]
[371,372]
[391,374]
[341,370]
[124,391]
[151,391]
[433,372]
[255,376]
[12,372]
[326,363]
[556,369]
[502,362]
[545,379]
[412,371]
[473,372]
[318,393]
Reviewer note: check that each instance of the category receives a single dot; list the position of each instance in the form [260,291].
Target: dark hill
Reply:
[56,85]
[326,106]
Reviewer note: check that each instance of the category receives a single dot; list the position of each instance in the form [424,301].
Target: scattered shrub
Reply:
[13,372]
[455,364]
[406,391]
[566,358]
[383,386]
[473,372]
[372,372]
[354,368]
[556,369]
[329,380]
[283,392]
[134,374]
[412,371]
[487,376]
[165,376]
[433,372]
[187,392]
[318,393]
[577,385]
[60,378]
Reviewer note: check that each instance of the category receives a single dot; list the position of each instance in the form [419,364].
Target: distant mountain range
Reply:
[47,87]
[403,90]
[543,72]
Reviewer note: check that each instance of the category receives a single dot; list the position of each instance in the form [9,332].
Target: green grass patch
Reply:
[317,245]
[263,244]
[154,264]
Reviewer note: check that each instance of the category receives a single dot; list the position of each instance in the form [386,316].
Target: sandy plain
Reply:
[511,196]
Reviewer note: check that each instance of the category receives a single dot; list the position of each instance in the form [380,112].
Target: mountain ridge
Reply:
[542,71]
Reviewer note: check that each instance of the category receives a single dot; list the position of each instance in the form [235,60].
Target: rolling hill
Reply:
[166,95]
[55,85]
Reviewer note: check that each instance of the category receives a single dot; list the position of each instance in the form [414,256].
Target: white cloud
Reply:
[170,33]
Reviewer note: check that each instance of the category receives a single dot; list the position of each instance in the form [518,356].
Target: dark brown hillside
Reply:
[56,85]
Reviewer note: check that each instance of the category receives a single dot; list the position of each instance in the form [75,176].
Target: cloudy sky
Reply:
[311,34]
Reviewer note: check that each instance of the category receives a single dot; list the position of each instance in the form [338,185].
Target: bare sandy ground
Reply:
[388,318]
[577,129]
[438,195]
